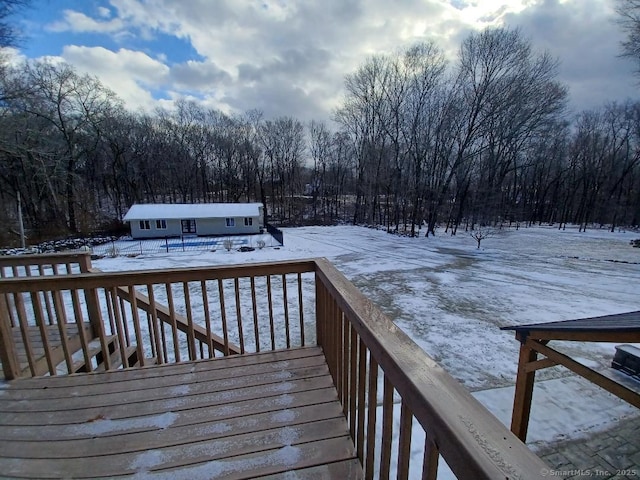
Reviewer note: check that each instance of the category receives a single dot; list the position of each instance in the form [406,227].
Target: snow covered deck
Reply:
[234,417]
[226,337]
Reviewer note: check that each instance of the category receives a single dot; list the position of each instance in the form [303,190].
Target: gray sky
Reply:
[290,57]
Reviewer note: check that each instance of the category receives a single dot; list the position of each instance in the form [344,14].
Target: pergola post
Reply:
[524,391]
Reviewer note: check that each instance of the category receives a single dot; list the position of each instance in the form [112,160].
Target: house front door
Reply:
[188,225]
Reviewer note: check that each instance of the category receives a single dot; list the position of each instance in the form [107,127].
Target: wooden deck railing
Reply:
[12,266]
[396,399]
[14,306]
[383,376]
[173,315]
[44,264]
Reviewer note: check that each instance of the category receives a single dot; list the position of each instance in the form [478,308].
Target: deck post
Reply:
[91,298]
[524,391]
[8,354]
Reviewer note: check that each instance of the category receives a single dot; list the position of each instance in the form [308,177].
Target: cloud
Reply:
[129,73]
[585,37]
[198,75]
[281,53]
[79,22]
[276,99]
[291,57]
[104,12]
[12,56]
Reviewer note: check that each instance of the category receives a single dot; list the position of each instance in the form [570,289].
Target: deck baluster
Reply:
[223,318]
[77,313]
[301,310]
[207,319]
[344,333]
[172,321]
[430,461]
[120,322]
[136,325]
[387,429]
[362,373]
[236,289]
[61,314]
[191,336]
[154,331]
[271,321]
[372,410]
[404,442]
[254,305]
[47,302]
[353,380]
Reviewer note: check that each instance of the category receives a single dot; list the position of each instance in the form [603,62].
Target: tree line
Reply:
[417,143]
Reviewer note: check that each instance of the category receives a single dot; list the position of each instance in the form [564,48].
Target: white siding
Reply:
[204,226]
[173,229]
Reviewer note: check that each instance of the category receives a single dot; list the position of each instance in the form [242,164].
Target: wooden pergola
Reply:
[534,341]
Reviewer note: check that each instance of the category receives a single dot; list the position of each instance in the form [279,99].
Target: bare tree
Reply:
[629,11]
[360,116]
[426,66]
[9,33]
[283,143]
[73,107]
[511,97]
[482,232]
[319,148]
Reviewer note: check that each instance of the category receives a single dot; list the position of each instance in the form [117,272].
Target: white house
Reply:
[154,220]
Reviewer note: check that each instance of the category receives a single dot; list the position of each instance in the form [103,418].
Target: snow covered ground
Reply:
[453,298]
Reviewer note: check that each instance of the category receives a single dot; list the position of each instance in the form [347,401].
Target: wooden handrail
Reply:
[43,259]
[474,443]
[145,277]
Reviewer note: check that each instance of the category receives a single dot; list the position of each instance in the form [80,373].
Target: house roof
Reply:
[151,211]
[622,322]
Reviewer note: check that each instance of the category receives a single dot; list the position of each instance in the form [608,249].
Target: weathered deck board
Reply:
[173,377]
[152,371]
[234,417]
[223,389]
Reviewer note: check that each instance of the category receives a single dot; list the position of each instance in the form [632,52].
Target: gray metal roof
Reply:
[623,322]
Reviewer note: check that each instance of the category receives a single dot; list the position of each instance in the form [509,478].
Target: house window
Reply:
[144,225]
[161,224]
[248,221]
[188,226]
[230,222]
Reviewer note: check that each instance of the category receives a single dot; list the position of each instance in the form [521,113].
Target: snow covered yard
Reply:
[452,299]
